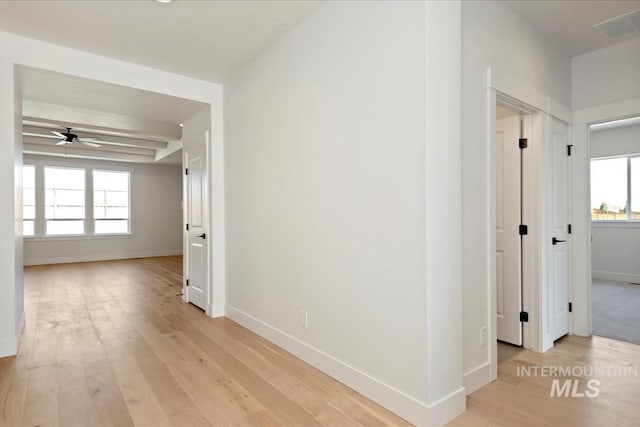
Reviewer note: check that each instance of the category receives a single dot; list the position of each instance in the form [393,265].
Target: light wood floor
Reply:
[515,400]
[111,343]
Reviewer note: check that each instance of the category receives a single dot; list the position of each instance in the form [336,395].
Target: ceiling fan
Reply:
[70,138]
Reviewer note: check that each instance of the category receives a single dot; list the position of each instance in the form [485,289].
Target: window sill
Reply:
[78,237]
[615,224]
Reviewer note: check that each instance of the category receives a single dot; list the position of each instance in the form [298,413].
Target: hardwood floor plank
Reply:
[113,344]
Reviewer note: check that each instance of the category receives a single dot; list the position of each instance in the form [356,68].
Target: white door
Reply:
[196,240]
[559,222]
[507,235]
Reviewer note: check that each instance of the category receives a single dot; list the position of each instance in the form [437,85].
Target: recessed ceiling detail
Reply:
[99,120]
[41,137]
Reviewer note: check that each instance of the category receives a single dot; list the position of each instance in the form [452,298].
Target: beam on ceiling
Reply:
[46,142]
[85,153]
[45,133]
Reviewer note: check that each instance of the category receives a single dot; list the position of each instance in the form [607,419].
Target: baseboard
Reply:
[102,257]
[396,401]
[477,377]
[447,408]
[619,277]
[8,346]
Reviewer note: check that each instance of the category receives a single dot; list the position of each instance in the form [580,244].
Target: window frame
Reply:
[629,221]
[129,200]
[89,228]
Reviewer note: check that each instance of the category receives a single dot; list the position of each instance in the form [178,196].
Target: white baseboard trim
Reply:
[612,275]
[396,401]
[477,377]
[447,408]
[102,257]
[8,346]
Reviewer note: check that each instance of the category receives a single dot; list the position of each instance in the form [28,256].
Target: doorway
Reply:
[531,273]
[614,213]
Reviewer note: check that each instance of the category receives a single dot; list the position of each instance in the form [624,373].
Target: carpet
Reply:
[616,310]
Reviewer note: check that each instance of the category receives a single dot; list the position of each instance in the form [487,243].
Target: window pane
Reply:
[107,227]
[635,188]
[65,227]
[110,196]
[64,195]
[27,228]
[28,192]
[609,189]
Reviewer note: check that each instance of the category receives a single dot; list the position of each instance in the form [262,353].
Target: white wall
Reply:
[615,247]
[328,182]
[156,193]
[493,36]
[614,252]
[606,75]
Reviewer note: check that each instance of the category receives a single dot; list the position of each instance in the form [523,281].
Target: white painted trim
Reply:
[391,398]
[8,346]
[447,408]
[105,257]
[477,377]
[618,277]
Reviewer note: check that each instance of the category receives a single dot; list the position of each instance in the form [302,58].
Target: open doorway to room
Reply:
[105,194]
[532,249]
[615,228]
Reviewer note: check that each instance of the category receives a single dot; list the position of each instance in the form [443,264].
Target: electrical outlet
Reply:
[483,335]
[304,319]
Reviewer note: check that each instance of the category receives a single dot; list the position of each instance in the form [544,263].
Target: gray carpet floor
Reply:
[616,310]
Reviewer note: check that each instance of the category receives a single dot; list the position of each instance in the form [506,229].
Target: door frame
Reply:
[507,91]
[581,190]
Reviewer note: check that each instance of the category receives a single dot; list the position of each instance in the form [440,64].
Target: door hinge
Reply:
[523,143]
[569,228]
[570,307]
[569,149]
[186,171]
[187,227]
[523,230]
[187,282]
[524,316]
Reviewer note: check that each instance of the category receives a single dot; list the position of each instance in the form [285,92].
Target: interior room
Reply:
[615,210]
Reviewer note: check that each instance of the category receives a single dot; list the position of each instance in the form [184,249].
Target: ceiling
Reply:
[129,124]
[201,39]
[569,23]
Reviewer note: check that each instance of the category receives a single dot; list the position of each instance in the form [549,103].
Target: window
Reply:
[111,202]
[615,189]
[28,200]
[64,201]
[75,201]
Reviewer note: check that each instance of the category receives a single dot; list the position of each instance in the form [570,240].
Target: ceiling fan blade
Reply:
[56,133]
[64,141]
[89,144]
